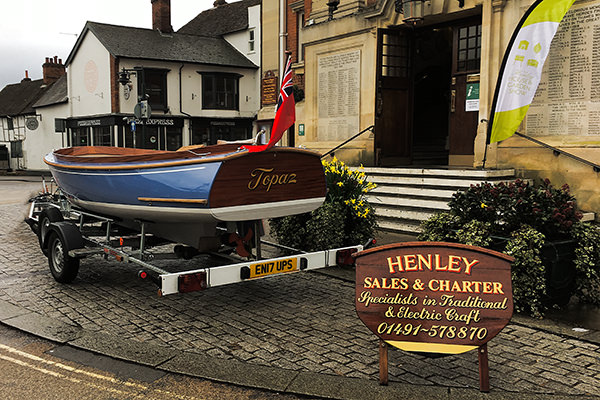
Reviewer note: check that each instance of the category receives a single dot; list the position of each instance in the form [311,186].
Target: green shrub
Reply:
[346,218]
[587,263]
[440,228]
[528,272]
[518,218]
[547,209]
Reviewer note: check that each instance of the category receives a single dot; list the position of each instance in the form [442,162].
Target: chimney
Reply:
[52,69]
[161,15]
[27,78]
[219,3]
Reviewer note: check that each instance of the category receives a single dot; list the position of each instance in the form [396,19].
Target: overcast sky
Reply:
[32,30]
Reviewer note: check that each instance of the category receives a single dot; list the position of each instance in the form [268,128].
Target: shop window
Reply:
[154,85]
[147,137]
[220,91]
[80,136]
[469,48]
[173,138]
[102,136]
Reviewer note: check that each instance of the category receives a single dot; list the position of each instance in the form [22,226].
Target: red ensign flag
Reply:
[285,114]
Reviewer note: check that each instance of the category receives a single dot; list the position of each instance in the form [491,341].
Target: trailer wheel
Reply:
[47,216]
[63,267]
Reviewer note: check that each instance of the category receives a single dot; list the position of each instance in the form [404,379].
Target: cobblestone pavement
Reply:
[303,321]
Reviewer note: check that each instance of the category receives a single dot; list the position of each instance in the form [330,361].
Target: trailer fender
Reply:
[69,232]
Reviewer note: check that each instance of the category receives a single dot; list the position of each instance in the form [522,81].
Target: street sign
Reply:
[132,125]
[142,109]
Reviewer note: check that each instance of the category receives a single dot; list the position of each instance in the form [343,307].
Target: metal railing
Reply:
[332,151]
[558,152]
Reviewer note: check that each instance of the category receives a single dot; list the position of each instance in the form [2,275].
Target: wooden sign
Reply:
[432,296]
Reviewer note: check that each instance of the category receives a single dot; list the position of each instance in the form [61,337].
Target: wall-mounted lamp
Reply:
[333,5]
[124,76]
[413,10]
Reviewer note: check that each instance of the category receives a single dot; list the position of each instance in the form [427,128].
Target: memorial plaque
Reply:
[432,296]
[338,98]
[567,101]
[269,89]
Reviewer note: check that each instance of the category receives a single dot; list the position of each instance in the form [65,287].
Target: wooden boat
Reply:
[184,194]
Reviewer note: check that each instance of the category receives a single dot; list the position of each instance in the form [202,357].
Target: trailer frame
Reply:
[77,235]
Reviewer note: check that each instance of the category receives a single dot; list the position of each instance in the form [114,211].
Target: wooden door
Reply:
[464,103]
[393,105]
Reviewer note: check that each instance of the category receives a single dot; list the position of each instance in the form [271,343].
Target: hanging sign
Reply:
[432,296]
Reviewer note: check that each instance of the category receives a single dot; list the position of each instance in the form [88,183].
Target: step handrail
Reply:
[332,151]
[558,151]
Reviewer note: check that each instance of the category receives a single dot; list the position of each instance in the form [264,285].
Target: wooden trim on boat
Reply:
[167,200]
[154,158]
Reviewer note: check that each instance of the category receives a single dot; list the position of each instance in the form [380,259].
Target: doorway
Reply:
[426,106]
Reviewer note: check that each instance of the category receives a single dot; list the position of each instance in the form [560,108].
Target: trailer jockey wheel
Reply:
[63,267]
[46,217]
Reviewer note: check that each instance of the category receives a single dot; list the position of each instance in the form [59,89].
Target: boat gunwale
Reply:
[201,159]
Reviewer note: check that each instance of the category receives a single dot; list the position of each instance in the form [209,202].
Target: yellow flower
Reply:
[340,184]
[483,205]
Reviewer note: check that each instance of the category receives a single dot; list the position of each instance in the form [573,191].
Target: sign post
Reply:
[434,297]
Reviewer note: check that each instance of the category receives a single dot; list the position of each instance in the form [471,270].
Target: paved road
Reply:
[36,368]
[301,323]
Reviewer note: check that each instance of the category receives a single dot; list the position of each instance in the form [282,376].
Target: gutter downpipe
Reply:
[282,35]
[181,107]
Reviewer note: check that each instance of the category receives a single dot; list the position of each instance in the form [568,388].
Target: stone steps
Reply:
[404,197]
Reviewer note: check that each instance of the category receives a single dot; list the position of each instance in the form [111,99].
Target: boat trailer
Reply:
[68,234]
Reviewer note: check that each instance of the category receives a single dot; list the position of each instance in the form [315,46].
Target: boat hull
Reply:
[209,188]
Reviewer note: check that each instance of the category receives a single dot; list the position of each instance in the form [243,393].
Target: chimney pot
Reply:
[52,70]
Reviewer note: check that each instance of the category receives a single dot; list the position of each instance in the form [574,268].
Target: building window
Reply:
[251,41]
[154,85]
[469,48]
[220,91]
[299,27]
[80,136]
[10,123]
[395,55]
[102,136]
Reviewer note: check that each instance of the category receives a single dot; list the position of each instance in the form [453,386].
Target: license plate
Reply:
[273,267]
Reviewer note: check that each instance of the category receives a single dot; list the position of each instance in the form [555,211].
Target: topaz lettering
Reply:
[264,177]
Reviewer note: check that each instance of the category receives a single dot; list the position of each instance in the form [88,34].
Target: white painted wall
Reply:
[43,140]
[191,90]
[89,79]
[239,40]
